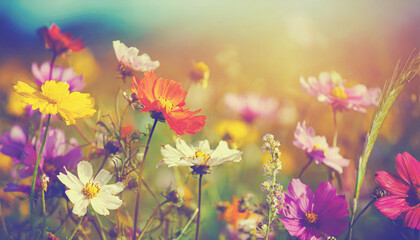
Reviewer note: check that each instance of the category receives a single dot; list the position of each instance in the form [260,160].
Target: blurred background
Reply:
[250,47]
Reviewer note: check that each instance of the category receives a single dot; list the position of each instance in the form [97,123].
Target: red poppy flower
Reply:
[165,101]
[60,42]
[404,191]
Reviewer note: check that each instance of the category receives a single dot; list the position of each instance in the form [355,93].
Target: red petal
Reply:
[392,206]
[408,168]
[392,183]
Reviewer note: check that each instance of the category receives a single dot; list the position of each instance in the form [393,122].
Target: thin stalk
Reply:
[100,226]
[304,168]
[75,229]
[136,211]
[150,219]
[188,224]
[38,160]
[3,223]
[44,215]
[197,229]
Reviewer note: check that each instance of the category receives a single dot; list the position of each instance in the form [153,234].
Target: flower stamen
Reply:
[91,190]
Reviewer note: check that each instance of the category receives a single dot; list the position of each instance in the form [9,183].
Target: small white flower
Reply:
[84,190]
[130,59]
[201,159]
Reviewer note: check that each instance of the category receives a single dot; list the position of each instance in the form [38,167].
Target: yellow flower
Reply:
[55,97]
[200,73]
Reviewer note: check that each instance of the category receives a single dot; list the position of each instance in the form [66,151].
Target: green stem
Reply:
[100,225]
[38,160]
[136,211]
[188,224]
[197,229]
[150,219]
[75,230]
[44,215]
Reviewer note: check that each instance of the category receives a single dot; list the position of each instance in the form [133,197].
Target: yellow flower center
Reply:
[91,190]
[166,103]
[311,218]
[338,92]
[206,157]
[317,147]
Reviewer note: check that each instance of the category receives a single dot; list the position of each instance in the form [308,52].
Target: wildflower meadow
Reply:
[209,120]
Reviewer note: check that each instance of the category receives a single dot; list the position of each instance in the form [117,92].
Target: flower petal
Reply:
[84,171]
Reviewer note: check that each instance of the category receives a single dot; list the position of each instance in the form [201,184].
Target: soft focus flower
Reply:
[57,152]
[252,106]
[237,133]
[404,191]
[84,190]
[61,74]
[129,59]
[317,148]
[311,216]
[201,159]
[165,100]
[329,88]
[60,42]
[54,97]
[200,73]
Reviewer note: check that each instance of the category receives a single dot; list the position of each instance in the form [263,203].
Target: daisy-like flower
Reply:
[85,190]
[317,148]
[311,216]
[165,100]
[130,61]
[68,75]
[60,42]
[404,191]
[329,88]
[200,73]
[55,98]
[201,159]
[251,106]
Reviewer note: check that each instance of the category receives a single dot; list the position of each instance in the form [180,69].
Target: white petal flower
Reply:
[202,158]
[84,190]
[130,59]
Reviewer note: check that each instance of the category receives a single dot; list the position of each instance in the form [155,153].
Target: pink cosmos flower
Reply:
[68,75]
[404,191]
[317,148]
[311,216]
[251,106]
[329,88]
[129,59]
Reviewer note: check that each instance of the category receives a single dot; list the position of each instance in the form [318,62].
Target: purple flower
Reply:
[317,148]
[57,152]
[311,216]
[62,74]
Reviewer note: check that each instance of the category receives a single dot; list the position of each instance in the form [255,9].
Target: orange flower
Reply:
[60,42]
[232,215]
[165,101]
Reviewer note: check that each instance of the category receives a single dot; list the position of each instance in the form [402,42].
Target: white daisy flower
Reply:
[201,159]
[129,58]
[84,190]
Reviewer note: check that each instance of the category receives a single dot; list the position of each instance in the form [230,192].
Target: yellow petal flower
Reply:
[55,97]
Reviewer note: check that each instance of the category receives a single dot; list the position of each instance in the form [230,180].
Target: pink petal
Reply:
[408,168]
[392,183]
[392,206]
[412,219]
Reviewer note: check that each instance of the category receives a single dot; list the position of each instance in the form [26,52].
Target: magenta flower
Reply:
[404,191]
[61,74]
[329,88]
[311,216]
[57,152]
[251,106]
[317,148]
